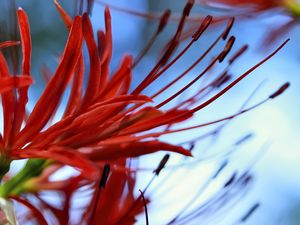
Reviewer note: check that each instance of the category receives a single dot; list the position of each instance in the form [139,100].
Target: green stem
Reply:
[14,186]
[293,7]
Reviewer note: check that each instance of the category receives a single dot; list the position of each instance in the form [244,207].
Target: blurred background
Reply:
[272,153]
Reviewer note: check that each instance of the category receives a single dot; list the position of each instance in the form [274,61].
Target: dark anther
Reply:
[104,177]
[222,79]
[231,180]
[238,54]
[221,168]
[188,7]
[203,26]
[162,164]
[243,139]
[227,49]
[192,146]
[250,212]
[228,28]
[280,90]
[245,178]
[164,20]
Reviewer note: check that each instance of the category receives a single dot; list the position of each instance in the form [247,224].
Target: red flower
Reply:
[250,8]
[255,4]
[106,123]
[100,113]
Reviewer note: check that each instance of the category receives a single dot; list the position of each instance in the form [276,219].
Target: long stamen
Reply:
[162,24]
[232,84]
[220,58]
[203,26]
[238,54]
[188,85]
[194,64]
[222,126]
[145,206]
[227,49]
[158,134]
[172,45]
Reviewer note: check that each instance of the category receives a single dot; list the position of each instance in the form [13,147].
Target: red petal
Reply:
[118,79]
[134,149]
[74,101]
[107,51]
[167,118]
[116,193]
[8,101]
[48,136]
[25,40]
[76,90]
[94,75]
[63,155]
[10,83]
[26,54]
[102,125]
[126,99]
[50,99]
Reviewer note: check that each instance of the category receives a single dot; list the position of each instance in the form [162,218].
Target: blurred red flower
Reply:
[251,8]
[254,4]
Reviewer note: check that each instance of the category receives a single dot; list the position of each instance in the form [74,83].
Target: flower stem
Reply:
[14,186]
[293,6]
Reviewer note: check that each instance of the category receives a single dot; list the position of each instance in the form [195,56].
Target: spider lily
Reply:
[104,125]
